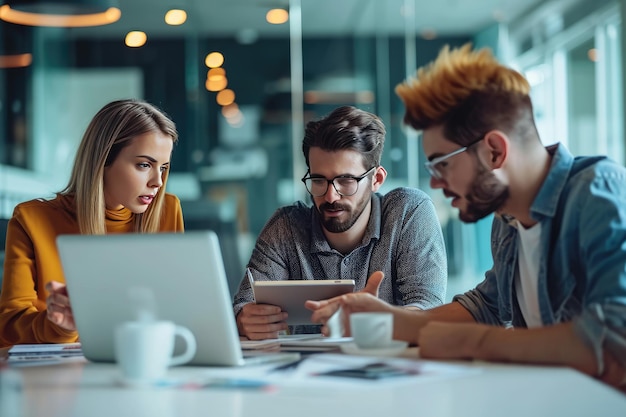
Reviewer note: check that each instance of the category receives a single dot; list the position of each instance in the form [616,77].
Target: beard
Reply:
[487,195]
[334,224]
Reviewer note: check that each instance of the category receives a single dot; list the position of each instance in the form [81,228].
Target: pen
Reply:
[288,366]
[250,277]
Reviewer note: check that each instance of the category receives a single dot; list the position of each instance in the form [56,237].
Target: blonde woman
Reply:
[117,185]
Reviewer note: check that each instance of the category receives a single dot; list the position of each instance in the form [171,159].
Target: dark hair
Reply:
[490,109]
[347,128]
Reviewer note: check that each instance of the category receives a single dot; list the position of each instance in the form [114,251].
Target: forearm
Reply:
[408,322]
[553,345]
[32,327]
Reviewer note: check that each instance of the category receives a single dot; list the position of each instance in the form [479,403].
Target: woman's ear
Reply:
[379,178]
[496,149]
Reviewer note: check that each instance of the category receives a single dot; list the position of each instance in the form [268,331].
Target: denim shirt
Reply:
[582,271]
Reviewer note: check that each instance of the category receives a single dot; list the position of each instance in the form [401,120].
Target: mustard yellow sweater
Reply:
[32,260]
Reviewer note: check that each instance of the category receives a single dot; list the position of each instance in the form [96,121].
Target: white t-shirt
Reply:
[529,253]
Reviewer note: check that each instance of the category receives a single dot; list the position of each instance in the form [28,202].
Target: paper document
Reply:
[267,344]
[316,341]
[45,352]
[330,369]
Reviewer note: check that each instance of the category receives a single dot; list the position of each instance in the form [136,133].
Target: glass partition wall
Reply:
[235,164]
[575,68]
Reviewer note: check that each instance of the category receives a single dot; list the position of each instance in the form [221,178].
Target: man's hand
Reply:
[59,310]
[261,321]
[365,300]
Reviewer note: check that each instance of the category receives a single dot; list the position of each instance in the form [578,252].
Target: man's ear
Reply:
[496,149]
[379,178]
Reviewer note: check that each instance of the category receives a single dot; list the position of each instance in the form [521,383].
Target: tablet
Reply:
[290,295]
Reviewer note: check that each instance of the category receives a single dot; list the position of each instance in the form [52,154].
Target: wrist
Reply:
[481,346]
[239,324]
[407,324]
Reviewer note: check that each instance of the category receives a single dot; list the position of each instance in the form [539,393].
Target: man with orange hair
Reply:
[558,237]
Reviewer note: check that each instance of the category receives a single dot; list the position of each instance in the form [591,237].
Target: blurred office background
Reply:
[241,118]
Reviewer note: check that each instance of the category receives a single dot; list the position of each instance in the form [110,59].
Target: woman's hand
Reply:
[58,306]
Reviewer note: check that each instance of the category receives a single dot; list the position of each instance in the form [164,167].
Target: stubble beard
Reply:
[334,224]
[487,195]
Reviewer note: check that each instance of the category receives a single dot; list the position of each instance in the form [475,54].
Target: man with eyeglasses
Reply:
[350,231]
[558,237]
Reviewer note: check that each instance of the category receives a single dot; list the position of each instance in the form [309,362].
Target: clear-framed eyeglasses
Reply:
[436,166]
[345,185]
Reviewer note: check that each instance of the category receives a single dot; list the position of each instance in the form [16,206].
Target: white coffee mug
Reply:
[144,349]
[371,330]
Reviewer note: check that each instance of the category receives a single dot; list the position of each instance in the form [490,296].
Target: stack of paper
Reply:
[267,344]
[300,343]
[45,352]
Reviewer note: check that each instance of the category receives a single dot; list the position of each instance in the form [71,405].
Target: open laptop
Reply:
[179,276]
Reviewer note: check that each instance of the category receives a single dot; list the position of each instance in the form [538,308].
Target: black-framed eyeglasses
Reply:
[345,185]
[436,165]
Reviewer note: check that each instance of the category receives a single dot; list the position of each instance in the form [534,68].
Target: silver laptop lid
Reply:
[182,273]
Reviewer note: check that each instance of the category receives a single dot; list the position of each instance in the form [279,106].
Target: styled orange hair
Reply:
[442,89]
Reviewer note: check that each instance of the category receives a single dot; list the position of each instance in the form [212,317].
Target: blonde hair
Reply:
[468,92]
[111,129]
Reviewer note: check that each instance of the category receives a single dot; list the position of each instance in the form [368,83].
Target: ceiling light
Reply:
[60,13]
[15,61]
[135,39]
[216,74]
[216,85]
[277,16]
[225,97]
[236,121]
[230,111]
[214,60]
[175,17]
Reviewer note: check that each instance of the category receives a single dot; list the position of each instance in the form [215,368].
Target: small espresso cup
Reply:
[145,349]
[371,330]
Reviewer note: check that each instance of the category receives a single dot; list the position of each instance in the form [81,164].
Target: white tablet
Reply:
[290,295]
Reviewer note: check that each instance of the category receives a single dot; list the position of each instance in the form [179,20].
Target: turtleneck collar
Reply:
[122,215]
[116,221]
[119,220]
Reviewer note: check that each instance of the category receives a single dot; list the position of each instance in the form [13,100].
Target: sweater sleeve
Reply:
[23,297]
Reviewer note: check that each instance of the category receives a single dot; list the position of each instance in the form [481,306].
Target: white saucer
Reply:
[394,348]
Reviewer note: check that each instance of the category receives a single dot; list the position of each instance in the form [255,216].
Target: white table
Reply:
[89,390]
